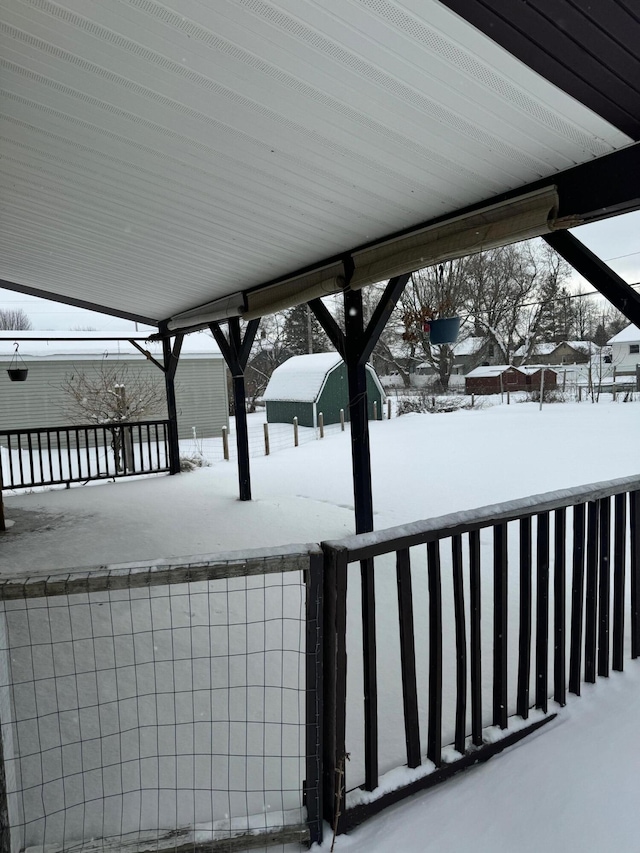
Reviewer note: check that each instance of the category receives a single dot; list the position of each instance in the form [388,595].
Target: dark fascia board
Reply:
[587,50]
[76,303]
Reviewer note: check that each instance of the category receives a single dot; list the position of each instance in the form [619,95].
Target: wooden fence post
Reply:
[225,443]
[321,424]
[388,408]
[541,387]
[342,419]
[266,438]
[375,410]
[295,432]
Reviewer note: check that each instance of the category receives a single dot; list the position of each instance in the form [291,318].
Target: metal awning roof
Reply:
[158,156]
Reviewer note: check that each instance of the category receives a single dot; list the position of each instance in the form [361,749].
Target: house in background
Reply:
[306,385]
[499,378]
[468,354]
[625,352]
[201,386]
[565,352]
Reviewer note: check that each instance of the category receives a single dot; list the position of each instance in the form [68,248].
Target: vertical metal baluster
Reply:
[475,640]
[559,607]
[591,605]
[524,642]
[370,674]
[434,734]
[619,554]
[461,645]
[408,657]
[542,611]
[39,438]
[604,591]
[500,625]
[634,568]
[577,600]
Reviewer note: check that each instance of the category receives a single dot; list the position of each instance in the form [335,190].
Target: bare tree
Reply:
[14,319]
[112,395]
[435,292]
[503,289]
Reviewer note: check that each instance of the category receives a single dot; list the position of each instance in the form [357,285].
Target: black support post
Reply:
[240,410]
[355,346]
[236,354]
[359,422]
[171,356]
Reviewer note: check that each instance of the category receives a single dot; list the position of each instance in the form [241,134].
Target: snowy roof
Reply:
[542,348]
[629,335]
[94,345]
[546,348]
[300,378]
[493,370]
[529,369]
[587,347]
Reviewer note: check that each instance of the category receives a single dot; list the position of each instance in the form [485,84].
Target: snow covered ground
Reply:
[568,788]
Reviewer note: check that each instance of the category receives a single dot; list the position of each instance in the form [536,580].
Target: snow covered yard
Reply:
[423,466]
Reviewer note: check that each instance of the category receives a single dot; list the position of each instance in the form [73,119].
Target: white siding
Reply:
[201,393]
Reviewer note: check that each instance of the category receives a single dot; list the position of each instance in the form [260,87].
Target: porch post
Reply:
[358,414]
[236,353]
[355,346]
[171,356]
[240,409]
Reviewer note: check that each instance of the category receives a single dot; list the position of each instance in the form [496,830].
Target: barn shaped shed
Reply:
[306,385]
[200,383]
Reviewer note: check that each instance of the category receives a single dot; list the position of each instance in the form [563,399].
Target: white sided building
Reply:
[625,351]
[40,401]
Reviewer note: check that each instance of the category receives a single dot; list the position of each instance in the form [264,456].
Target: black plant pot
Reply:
[444,331]
[18,374]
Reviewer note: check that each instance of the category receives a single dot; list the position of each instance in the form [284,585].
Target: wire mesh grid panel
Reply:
[160,715]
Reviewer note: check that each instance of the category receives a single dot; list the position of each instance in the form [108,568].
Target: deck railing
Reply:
[498,590]
[69,454]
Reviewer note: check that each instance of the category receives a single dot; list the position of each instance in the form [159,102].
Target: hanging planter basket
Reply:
[17,370]
[444,331]
[18,374]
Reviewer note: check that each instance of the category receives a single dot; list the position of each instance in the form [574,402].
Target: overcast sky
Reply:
[615,240]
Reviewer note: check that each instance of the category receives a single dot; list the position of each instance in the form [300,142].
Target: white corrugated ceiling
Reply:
[156,156]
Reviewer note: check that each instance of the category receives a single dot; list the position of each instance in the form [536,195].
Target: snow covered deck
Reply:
[424,465]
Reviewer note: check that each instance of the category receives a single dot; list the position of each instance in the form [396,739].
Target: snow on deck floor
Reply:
[571,787]
[423,466]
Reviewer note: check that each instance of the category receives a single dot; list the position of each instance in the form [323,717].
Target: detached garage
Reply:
[308,384]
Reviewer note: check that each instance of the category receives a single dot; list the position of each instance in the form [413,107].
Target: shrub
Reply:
[192,461]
